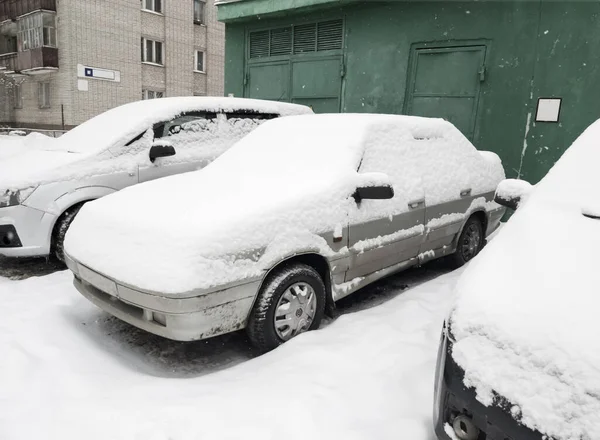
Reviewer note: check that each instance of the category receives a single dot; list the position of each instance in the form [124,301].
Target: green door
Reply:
[317,83]
[445,83]
[269,81]
[300,63]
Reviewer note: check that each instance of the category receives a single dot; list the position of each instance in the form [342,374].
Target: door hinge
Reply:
[482,74]
[342,70]
[246,78]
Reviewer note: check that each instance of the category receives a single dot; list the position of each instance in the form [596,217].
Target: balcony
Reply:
[8,62]
[37,61]
[11,9]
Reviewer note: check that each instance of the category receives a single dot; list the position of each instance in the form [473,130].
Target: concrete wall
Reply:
[535,49]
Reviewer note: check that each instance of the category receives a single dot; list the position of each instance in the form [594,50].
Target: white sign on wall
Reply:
[82,85]
[548,110]
[89,72]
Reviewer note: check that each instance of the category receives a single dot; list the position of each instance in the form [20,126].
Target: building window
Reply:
[44,94]
[17,96]
[152,51]
[36,30]
[152,5]
[199,65]
[199,8]
[151,94]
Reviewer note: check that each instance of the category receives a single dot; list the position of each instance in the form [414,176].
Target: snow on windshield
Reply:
[526,319]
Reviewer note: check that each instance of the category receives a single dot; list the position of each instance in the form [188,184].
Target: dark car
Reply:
[519,357]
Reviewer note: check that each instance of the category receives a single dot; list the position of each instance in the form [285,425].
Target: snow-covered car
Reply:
[300,213]
[520,355]
[42,189]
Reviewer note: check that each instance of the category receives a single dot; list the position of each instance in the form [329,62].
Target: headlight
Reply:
[12,197]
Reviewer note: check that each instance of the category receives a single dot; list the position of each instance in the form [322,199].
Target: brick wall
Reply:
[107,34]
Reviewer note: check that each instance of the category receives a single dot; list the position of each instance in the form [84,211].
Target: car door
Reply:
[449,164]
[383,233]
[195,136]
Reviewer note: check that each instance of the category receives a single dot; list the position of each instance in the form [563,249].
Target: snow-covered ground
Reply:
[14,145]
[69,371]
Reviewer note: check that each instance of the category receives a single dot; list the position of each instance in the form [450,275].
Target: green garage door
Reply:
[445,83]
[301,64]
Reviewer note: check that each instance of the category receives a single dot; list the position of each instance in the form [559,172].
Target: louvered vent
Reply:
[259,44]
[281,41]
[330,35]
[305,38]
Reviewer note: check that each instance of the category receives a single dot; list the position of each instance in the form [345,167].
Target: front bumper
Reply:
[452,398]
[30,231]
[181,319]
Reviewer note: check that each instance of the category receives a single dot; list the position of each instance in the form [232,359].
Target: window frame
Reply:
[44,95]
[196,52]
[17,96]
[152,8]
[145,42]
[202,9]
[146,94]
[33,28]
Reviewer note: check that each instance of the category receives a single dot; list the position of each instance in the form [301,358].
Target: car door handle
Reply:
[416,203]
[465,192]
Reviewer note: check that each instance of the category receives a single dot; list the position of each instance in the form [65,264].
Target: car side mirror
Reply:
[382,192]
[511,192]
[161,150]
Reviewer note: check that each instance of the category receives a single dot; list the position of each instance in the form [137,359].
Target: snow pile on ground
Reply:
[69,371]
[97,147]
[16,145]
[291,177]
[526,320]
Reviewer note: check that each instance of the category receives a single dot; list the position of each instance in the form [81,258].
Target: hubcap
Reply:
[295,310]
[471,242]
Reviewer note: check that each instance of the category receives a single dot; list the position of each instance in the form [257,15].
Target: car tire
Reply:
[60,231]
[469,244]
[298,288]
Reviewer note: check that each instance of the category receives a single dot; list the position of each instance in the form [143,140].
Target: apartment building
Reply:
[65,61]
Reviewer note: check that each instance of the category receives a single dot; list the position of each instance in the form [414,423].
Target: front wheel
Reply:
[60,231]
[469,243]
[290,302]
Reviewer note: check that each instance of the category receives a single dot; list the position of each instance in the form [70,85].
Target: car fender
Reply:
[66,201]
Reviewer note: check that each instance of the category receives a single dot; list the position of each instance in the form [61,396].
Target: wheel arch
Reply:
[314,260]
[479,214]
[74,198]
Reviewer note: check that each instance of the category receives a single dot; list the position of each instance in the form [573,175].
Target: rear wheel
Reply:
[60,231]
[290,302]
[469,243]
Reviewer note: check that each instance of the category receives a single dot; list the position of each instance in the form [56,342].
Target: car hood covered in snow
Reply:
[526,319]
[267,197]
[89,143]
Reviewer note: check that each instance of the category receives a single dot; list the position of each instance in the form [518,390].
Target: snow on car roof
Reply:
[125,122]
[76,154]
[526,317]
[282,184]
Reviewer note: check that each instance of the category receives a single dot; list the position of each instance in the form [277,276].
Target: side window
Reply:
[450,166]
[386,151]
[241,123]
[187,130]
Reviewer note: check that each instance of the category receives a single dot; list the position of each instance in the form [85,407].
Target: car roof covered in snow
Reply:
[123,123]
[526,319]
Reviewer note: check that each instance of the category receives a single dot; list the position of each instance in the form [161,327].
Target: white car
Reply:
[300,213]
[520,352]
[42,190]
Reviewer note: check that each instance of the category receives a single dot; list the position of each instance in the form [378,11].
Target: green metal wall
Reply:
[534,49]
